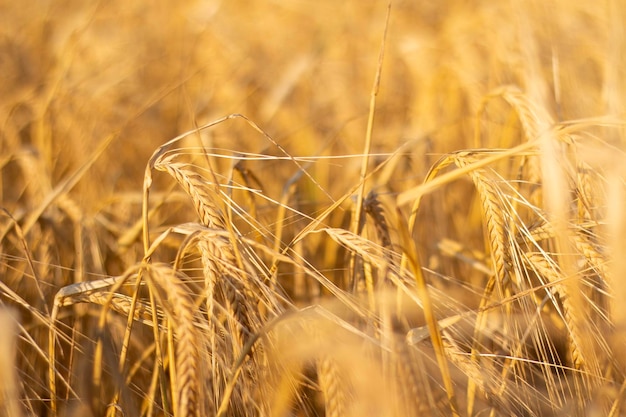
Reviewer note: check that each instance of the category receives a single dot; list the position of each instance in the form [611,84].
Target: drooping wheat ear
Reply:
[368,250]
[549,270]
[172,294]
[197,188]
[375,255]
[406,369]
[211,274]
[218,254]
[237,306]
[373,208]
[582,319]
[120,303]
[227,298]
[493,213]
[593,254]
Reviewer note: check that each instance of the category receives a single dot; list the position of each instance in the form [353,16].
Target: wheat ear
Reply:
[198,189]
[332,388]
[169,289]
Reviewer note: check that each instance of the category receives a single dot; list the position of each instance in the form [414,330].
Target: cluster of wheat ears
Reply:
[464,259]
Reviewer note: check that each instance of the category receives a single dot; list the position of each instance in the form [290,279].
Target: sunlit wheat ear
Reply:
[218,254]
[595,271]
[577,336]
[493,213]
[198,189]
[594,254]
[497,241]
[120,303]
[215,342]
[169,289]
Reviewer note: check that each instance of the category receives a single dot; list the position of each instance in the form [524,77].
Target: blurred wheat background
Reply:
[212,208]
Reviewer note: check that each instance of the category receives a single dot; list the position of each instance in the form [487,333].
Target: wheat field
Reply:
[312,208]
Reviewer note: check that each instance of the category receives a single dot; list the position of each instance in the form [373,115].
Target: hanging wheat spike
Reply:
[198,190]
[597,273]
[493,212]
